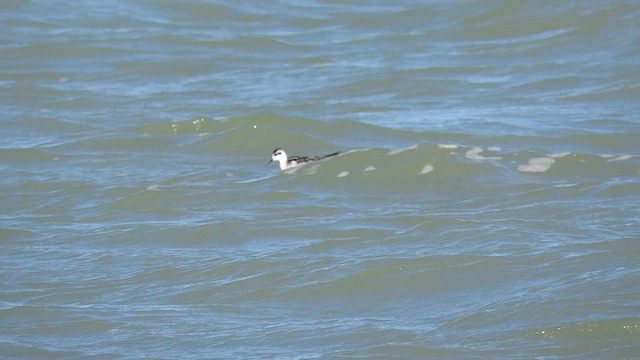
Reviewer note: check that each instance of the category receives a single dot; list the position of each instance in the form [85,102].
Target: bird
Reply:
[287,162]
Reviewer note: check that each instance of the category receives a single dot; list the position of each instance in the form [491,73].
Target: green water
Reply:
[485,203]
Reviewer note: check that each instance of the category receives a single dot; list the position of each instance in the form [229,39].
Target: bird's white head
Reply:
[280,156]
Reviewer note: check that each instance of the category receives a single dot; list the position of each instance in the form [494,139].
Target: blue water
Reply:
[485,203]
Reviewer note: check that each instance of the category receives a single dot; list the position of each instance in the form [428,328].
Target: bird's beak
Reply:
[270,161]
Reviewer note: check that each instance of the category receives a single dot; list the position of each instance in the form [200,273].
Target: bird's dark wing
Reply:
[304,159]
[328,155]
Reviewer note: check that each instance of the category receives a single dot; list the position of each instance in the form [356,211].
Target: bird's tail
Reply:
[330,155]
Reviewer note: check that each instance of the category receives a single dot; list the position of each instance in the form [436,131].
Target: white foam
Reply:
[370,168]
[426,169]
[293,170]
[621,158]
[343,174]
[256,179]
[197,123]
[311,170]
[402,232]
[494,148]
[152,187]
[564,185]
[559,155]
[447,146]
[537,164]
[355,150]
[474,154]
[396,152]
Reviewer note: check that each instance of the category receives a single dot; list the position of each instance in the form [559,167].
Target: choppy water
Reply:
[486,204]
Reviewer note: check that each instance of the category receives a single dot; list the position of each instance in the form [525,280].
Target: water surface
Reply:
[485,205]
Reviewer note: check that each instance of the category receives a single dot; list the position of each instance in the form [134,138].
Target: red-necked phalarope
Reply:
[290,162]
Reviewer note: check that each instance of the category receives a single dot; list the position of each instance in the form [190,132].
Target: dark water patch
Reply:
[205,12]
[8,235]
[608,125]
[616,143]
[22,155]
[60,51]
[19,350]
[116,144]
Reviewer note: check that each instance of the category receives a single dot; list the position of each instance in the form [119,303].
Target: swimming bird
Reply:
[290,162]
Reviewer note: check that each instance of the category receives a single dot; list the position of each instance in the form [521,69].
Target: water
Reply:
[486,204]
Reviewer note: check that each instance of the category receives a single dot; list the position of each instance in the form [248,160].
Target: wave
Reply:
[235,151]
[621,328]
[257,135]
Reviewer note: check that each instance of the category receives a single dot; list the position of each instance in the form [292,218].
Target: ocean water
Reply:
[486,203]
